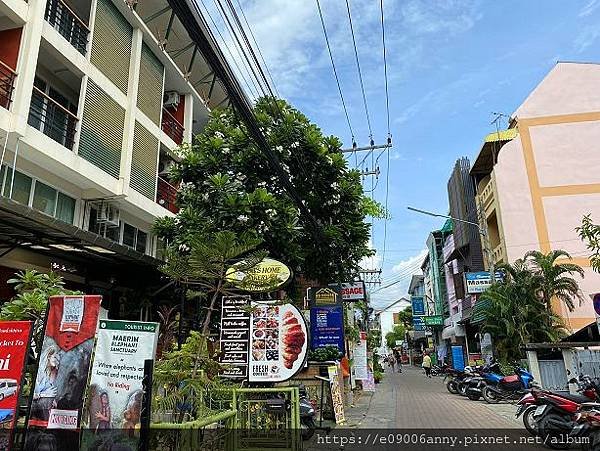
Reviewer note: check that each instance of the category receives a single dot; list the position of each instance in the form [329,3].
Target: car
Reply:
[8,387]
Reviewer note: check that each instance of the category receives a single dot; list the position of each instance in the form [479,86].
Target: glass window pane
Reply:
[129,235]
[65,208]
[142,239]
[6,189]
[93,225]
[21,188]
[44,198]
[113,233]
[2,171]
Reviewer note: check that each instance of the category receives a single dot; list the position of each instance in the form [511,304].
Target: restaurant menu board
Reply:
[336,394]
[279,342]
[235,337]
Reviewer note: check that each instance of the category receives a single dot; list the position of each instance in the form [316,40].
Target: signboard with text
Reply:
[319,296]
[418,305]
[478,282]
[327,327]
[360,358]
[235,337]
[418,323]
[14,344]
[433,320]
[336,394]
[352,292]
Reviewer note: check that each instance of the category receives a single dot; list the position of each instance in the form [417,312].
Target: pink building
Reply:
[536,180]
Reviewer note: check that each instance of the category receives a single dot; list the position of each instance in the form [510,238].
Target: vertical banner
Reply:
[63,369]
[336,394]
[458,358]
[360,358]
[14,344]
[114,400]
[368,384]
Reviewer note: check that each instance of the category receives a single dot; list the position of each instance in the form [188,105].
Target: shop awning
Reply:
[492,143]
[479,311]
[24,227]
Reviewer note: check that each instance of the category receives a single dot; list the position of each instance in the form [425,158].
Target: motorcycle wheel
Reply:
[594,442]
[489,395]
[308,427]
[473,396]
[529,421]
[462,389]
[451,386]
[552,438]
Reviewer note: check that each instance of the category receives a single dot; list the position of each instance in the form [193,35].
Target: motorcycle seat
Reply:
[509,379]
[579,399]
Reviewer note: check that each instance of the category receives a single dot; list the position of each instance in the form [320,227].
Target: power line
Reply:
[337,80]
[387,98]
[360,78]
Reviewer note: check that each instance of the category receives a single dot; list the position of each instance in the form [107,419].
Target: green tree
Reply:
[397,334]
[516,313]
[406,317]
[226,183]
[554,277]
[589,232]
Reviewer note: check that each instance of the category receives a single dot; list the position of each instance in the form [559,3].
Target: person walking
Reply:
[391,362]
[427,364]
[398,359]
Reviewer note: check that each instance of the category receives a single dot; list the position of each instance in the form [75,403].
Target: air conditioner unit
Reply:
[164,167]
[171,99]
[108,214]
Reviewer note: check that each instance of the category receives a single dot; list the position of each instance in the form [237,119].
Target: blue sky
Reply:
[451,63]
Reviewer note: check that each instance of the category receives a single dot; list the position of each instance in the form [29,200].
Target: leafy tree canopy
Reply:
[589,232]
[397,334]
[226,183]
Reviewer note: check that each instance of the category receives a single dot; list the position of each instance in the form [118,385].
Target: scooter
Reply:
[490,371]
[513,387]
[530,401]
[587,428]
[307,415]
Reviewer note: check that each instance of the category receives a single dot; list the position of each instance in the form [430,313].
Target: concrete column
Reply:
[130,110]
[534,366]
[188,118]
[570,361]
[27,64]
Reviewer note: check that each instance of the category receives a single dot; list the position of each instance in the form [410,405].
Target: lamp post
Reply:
[482,232]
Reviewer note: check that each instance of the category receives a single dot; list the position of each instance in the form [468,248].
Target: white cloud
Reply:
[589,8]
[586,38]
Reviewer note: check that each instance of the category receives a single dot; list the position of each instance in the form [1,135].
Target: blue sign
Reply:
[478,282]
[418,323]
[327,327]
[458,358]
[418,305]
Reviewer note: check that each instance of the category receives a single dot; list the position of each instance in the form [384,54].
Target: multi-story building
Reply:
[389,318]
[536,180]
[95,95]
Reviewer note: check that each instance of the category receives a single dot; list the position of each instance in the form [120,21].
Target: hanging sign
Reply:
[418,305]
[478,282]
[433,320]
[235,337]
[327,327]
[267,275]
[278,342]
[336,394]
[115,392]
[64,365]
[352,291]
[319,296]
[15,337]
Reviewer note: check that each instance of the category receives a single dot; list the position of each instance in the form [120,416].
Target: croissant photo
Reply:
[293,339]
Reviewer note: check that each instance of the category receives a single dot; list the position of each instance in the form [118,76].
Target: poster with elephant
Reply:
[62,373]
[114,399]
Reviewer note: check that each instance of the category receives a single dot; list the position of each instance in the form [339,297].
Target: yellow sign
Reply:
[325,296]
[265,276]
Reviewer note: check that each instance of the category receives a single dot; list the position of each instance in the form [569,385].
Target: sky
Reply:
[452,64]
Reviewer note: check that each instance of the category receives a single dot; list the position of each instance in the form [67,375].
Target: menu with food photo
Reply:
[279,341]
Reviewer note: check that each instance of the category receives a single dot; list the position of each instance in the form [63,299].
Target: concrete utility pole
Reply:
[483,232]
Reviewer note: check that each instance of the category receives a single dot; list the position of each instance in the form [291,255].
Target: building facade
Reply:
[536,180]
[388,319]
[95,97]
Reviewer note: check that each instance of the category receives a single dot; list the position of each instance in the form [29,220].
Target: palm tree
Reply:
[554,278]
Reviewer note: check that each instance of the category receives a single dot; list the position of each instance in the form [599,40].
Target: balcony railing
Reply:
[172,127]
[7,83]
[68,24]
[166,195]
[52,119]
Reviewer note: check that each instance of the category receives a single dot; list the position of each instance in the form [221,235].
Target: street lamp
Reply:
[483,232]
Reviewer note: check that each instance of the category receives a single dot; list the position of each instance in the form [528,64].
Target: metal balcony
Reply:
[166,195]
[68,24]
[7,83]
[52,119]
[172,127]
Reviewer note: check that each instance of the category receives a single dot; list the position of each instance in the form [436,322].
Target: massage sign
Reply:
[263,341]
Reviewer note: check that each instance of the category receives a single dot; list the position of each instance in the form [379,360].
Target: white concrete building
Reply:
[388,318]
[94,97]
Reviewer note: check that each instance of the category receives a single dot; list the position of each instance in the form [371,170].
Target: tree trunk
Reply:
[205,330]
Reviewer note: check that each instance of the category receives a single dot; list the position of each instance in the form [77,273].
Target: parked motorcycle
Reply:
[490,371]
[307,415]
[453,377]
[499,387]
[530,401]
[588,427]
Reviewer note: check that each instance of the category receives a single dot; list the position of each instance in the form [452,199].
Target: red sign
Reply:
[14,342]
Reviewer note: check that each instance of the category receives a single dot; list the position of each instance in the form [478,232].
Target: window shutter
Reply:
[150,90]
[144,162]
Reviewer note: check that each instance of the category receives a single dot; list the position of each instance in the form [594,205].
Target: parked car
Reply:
[8,387]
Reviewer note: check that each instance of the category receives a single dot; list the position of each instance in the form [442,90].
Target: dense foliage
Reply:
[589,232]
[398,333]
[226,183]
[518,310]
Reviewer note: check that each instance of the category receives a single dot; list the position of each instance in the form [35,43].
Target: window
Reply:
[65,208]
[129,233]
[125,234]
[141,242]
[44,198]
[21,188]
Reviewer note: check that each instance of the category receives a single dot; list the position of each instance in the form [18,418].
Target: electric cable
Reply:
[337,80]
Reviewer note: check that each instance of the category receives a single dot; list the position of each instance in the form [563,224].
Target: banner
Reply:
[14,344]
[336,394]
[114,398]
[63,368]
[360,358]
[368,384]
[458,358]
[327,327]
[279,342]
[235,337]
